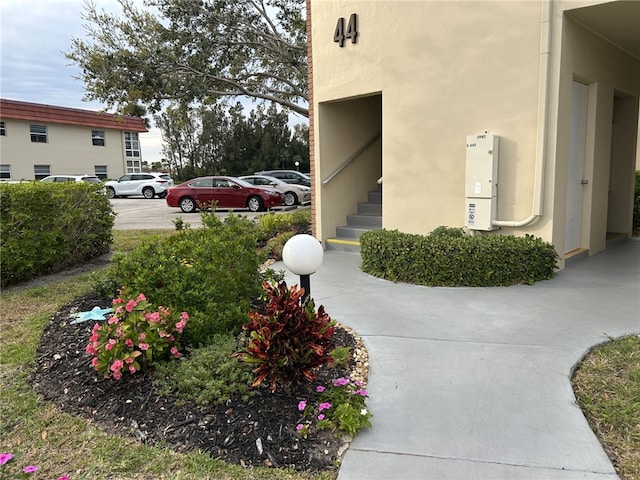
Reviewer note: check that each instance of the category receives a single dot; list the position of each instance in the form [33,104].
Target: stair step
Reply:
[370,209]
[342,244]
[348,231]
[374,197]
[359,220]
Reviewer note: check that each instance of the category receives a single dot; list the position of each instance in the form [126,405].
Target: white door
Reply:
[575,178]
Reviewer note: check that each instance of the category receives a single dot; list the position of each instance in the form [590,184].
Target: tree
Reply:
[220,140]
[195,51]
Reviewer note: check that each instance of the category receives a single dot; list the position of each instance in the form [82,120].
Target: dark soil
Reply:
[257,432]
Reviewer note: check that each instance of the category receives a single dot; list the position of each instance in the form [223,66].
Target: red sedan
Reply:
[225,192]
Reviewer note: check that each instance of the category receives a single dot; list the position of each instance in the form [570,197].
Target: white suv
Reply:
[146,184]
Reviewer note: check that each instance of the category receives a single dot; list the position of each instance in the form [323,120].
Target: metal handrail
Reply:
[352,157]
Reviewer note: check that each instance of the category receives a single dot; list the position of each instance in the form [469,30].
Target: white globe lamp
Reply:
[303,254]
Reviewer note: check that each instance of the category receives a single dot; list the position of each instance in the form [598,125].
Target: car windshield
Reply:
[242,183]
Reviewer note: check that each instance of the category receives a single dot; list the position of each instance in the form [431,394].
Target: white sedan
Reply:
[293,194]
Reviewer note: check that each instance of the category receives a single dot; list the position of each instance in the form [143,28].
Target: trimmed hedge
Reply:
[447,257]
[47,227]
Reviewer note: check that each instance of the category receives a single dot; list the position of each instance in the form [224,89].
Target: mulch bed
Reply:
[257,432]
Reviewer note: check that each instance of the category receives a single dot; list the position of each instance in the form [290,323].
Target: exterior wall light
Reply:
[303,254]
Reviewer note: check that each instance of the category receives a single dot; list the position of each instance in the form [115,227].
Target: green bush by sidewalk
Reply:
[48,227]
[447,257]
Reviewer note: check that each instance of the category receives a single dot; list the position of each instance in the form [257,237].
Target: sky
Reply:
[34,35]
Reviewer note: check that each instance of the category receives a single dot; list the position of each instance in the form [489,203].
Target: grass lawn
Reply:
[37,433]
[607,386]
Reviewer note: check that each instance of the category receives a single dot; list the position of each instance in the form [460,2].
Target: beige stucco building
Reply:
[38,140]
[400,91]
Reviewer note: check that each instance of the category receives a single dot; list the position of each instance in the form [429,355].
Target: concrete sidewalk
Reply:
[474,383]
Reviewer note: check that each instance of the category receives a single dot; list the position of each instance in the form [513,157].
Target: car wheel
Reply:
[290,199]
[254,204]
[148,192]
[187,205]
[111,193]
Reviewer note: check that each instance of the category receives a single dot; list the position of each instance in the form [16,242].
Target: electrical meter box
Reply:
[481,181]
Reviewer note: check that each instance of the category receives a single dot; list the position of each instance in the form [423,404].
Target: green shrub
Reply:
[636,204]
[275,245]
[449,259]
[208,376]
[287,338]
[49,227]
[271,224]
[211,272]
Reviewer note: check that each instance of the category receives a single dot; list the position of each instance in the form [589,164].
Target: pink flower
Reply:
[131,304]
[132,369]
[96,326]
[299,427]
[358,383]
[117,300]
[94,337]
[361,392]
[141,298]
[341,382]
[153,317]
[302,405]
[90,349]
[118,311]
[94,362]
[320,389]
[128,360]
[184,316]
[116,366]
[321,416]
[324,406]
[143,346]
[108,346]
[142,336]
[129,343]
[180,325]
[30,469]
[175,352]
[64,477]
[113,320]
[117,375]
[5,457]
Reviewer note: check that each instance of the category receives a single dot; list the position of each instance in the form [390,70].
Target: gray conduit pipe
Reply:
[543,107]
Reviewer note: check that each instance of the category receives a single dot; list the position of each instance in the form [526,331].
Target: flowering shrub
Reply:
[341,408]
[5,458]
[287,339]
[136,337]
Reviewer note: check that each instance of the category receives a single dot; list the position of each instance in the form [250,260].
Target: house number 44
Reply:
[351,32]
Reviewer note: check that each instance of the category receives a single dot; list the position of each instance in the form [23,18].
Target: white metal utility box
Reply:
[481,181]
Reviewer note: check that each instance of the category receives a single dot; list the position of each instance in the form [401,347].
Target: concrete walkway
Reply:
[474,383]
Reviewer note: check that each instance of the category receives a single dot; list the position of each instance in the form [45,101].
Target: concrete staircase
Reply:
[368,217]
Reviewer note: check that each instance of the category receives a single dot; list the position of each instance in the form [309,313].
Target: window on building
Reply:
[131,144]
[41,171]
[3,129]
[5,172]
[97,138]
[101,171]
[38,133]
[134,166]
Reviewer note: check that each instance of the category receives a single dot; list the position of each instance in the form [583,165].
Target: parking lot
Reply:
[141,213]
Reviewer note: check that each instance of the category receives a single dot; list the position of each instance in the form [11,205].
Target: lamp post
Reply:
[297,165]
[303,254]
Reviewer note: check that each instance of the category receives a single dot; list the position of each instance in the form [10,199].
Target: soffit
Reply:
[618,22]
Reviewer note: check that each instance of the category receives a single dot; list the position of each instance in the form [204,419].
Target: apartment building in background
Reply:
[38,140]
